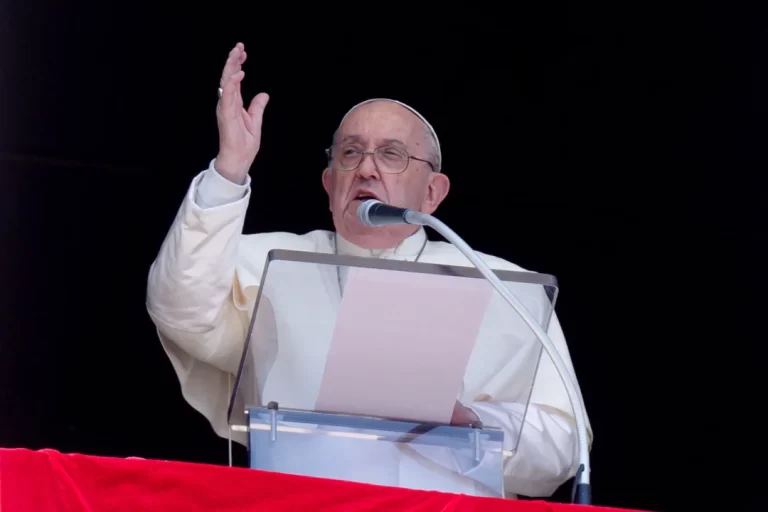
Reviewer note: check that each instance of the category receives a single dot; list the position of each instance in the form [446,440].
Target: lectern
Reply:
[280,382]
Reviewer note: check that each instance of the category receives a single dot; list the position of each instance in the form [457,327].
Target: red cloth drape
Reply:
[46,481]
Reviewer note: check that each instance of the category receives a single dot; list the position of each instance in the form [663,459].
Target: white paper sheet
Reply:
[401,344]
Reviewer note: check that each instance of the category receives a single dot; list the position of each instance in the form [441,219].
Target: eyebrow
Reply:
[390,142]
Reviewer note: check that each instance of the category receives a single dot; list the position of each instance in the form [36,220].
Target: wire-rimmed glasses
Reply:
[388,159]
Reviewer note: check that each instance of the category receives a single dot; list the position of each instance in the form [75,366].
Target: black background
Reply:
[621,146]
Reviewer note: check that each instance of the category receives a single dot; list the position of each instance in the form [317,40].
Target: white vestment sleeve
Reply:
[215,190]
[190,292]
[547,455]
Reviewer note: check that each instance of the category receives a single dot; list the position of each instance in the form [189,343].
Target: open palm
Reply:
[239,128]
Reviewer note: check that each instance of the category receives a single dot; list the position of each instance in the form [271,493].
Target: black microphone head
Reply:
[363,209]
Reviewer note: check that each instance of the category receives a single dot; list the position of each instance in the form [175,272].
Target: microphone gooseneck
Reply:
[375,213]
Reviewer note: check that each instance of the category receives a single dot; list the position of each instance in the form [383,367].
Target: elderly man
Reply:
[204,281]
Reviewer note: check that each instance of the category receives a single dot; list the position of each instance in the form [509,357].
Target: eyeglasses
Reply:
[388,159]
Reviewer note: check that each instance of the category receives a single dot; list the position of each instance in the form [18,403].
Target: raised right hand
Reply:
[239,129]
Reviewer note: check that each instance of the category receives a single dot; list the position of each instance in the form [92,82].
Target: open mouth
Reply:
[364,196]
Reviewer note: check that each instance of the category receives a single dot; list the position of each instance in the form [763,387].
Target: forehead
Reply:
[383,120]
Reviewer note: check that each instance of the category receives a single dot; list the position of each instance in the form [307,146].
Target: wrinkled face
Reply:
[375,125]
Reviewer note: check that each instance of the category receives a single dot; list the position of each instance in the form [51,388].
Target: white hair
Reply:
[435,155]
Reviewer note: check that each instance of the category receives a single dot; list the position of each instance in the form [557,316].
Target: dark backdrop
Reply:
[620,147]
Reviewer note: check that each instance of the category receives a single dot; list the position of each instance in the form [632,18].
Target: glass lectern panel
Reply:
[308,354]
[377,451]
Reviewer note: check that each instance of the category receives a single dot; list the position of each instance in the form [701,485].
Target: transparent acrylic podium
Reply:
[293,326]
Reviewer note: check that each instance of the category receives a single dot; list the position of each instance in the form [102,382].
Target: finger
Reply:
[232,88]
[256,109]
[233,63]
[231,99]
[258,104]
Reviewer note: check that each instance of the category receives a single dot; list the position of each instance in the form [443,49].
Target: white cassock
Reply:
[203,285]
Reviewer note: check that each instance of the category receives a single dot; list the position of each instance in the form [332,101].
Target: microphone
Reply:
[374,213]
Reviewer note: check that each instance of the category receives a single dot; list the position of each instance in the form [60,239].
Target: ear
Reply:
[328,184]
[438,188]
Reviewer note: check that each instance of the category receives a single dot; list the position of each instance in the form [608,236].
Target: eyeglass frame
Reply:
[329,155]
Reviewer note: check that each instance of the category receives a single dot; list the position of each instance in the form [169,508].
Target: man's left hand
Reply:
[463,415]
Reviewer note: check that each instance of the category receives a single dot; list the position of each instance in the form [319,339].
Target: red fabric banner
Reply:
[47,481]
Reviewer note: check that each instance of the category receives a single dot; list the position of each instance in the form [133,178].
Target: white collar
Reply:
[410,247]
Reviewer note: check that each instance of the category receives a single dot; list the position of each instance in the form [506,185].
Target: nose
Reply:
[367,168]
